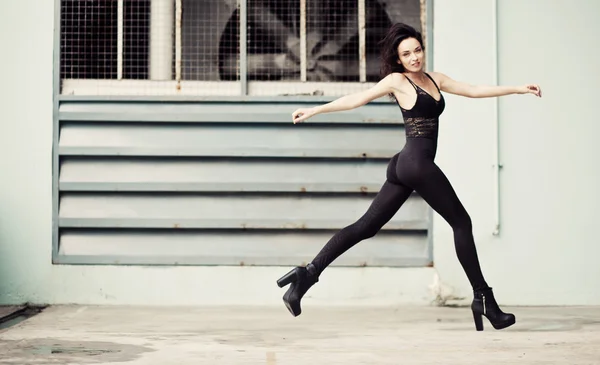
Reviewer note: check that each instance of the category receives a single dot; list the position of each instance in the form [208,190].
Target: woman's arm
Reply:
[483,91]
[350,101]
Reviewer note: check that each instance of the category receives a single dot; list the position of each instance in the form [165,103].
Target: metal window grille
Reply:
[89,39]
[211,40]
[135,39]
[226,47]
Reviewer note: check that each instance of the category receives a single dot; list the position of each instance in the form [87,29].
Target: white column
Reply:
[161,39]
[303,49]
[120,39]
[362,43]
[178,40]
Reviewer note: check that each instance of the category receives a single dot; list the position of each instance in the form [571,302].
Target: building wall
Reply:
[547,247]
[546,250]
[26,214]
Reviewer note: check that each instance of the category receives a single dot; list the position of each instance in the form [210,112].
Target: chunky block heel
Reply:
[288,278]
[301,279]
[484,305]
[478,318]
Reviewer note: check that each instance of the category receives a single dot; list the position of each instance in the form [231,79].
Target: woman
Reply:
[421,102]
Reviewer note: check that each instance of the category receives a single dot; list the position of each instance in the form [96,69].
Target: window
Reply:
[225,47]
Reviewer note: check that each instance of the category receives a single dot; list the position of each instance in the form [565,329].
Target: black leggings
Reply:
[413,168]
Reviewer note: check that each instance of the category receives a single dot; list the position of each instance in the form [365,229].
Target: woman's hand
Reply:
[302,114]
[531,89]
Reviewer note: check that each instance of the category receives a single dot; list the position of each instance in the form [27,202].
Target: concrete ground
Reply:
[404,335]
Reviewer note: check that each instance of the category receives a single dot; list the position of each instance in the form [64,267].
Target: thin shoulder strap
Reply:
[412,83]
[431,78]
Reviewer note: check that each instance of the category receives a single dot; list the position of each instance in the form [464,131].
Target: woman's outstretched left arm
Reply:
[483,91]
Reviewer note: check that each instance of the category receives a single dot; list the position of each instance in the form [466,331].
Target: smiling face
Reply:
[410,55]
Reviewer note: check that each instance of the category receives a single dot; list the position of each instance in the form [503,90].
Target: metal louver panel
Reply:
[225,183]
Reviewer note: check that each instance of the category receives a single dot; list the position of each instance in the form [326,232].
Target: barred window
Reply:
[225,47]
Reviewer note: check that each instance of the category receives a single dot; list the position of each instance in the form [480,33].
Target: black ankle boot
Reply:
[301,278]
[484,304]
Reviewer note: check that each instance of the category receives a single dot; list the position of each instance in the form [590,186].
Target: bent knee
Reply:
[462,223]
[365,231]
[369,233]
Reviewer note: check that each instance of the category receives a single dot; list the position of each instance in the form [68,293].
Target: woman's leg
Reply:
[387,202]
[437,191]
[435,188]
[390,198]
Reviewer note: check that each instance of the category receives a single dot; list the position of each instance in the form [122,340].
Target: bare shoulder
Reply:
[438,77]
[397,80]
[397,77]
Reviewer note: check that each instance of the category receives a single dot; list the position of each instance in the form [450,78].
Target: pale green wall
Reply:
[548,248]
[26,272]
[26,148]
[547,251]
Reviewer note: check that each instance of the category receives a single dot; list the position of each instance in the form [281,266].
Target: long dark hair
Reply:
[389,47]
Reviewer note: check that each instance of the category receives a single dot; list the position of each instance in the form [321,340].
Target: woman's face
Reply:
[410,55]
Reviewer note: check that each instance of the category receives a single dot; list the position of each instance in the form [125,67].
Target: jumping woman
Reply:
[418,95]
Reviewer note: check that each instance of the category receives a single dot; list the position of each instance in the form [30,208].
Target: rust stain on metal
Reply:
[363,53]
[242,263]
[176,225]
[302,189]
[429,264]
[364,189]
[362,264]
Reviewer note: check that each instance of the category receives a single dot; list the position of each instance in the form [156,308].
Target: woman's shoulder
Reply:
[398,75]
[397,78]
[437,76]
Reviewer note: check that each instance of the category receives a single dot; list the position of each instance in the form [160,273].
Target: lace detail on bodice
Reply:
[422,120]
[425,93]
[421,127]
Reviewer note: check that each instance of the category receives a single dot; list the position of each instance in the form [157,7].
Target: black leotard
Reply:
[413,169]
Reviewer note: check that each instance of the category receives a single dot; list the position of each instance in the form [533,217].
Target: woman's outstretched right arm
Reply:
[350,101]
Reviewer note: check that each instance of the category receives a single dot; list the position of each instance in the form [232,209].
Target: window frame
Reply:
[58,97]
[235,90]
